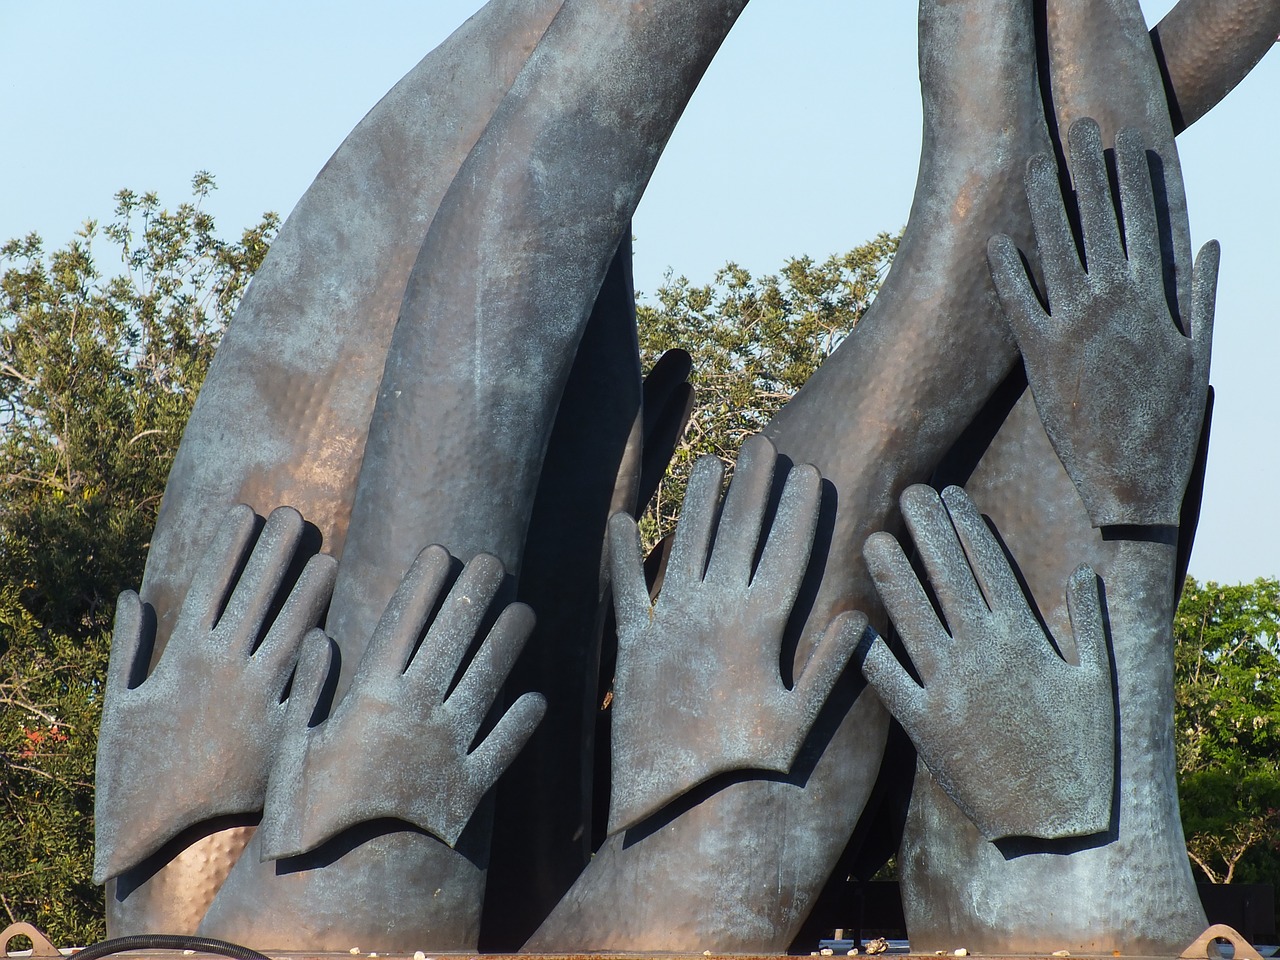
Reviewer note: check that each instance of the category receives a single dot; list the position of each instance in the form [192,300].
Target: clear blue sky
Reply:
[803,139]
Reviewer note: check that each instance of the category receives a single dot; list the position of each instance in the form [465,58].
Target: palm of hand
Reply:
[208,719]
[400,742]
[1046,727]
[698,690]
[1120,389]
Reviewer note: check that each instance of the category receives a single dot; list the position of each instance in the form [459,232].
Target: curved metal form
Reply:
[1021,740]
[925,355]
[284,412]
[1105,70]
[440,349]
[1206,47]
[494,309]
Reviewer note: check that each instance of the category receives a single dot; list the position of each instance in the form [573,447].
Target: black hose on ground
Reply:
[158,941]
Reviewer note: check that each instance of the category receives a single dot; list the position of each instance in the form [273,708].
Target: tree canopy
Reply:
[103,346]
[1227,663]
[754,342]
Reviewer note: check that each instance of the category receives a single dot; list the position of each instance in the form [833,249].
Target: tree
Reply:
[754,343]
[97,377]
[1227,715]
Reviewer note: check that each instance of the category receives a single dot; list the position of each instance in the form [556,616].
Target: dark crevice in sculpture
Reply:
[958,463]
[807,598]
[542,830]
[1191,501]
[873,843]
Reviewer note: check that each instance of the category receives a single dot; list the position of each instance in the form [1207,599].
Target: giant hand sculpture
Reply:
[409,390]
[698,690]
[204,726]
[1120,389]
[1001,718]
[400,742]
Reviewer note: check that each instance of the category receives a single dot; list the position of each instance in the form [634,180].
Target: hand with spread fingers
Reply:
[1001,716]
[698,689]
[400,742]
[1120,389]
[203,727]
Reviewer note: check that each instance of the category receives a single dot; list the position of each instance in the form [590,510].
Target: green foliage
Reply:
[97,378]
[754,343]
[1227,716]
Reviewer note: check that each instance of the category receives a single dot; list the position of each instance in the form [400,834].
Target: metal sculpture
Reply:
[1049,730]
[221,674]
[698,687]
[440,349]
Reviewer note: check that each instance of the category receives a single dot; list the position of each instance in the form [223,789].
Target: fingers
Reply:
[905,601]
[216,573]
[1084,606]
[1137,201]
[1058,255]
[407,612]
[786,553]
[1018,298]
[626,560]
[1204,295]
[987,560]
[1102,249]
[126,644]
[285,830]
[688,561]
[478,689]
[457,625]
[902,696]
[826,664]
[738,532]
[303,610]
[507,739]
[256,589]
[944,559]
[666,379]
[315,660]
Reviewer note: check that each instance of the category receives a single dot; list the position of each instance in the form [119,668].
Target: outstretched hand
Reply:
[698,689]
[1020,739]
[1120,389]
[399,744]
[203,727]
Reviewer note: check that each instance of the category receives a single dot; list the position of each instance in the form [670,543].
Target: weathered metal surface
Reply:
[698,691]
[1139,863]
[1206,47]
[494,310]
[544,805]
[284,412]
[400,743]
[485,205]
[1129,451]
[1020,739]
[203,727]
[876,417]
